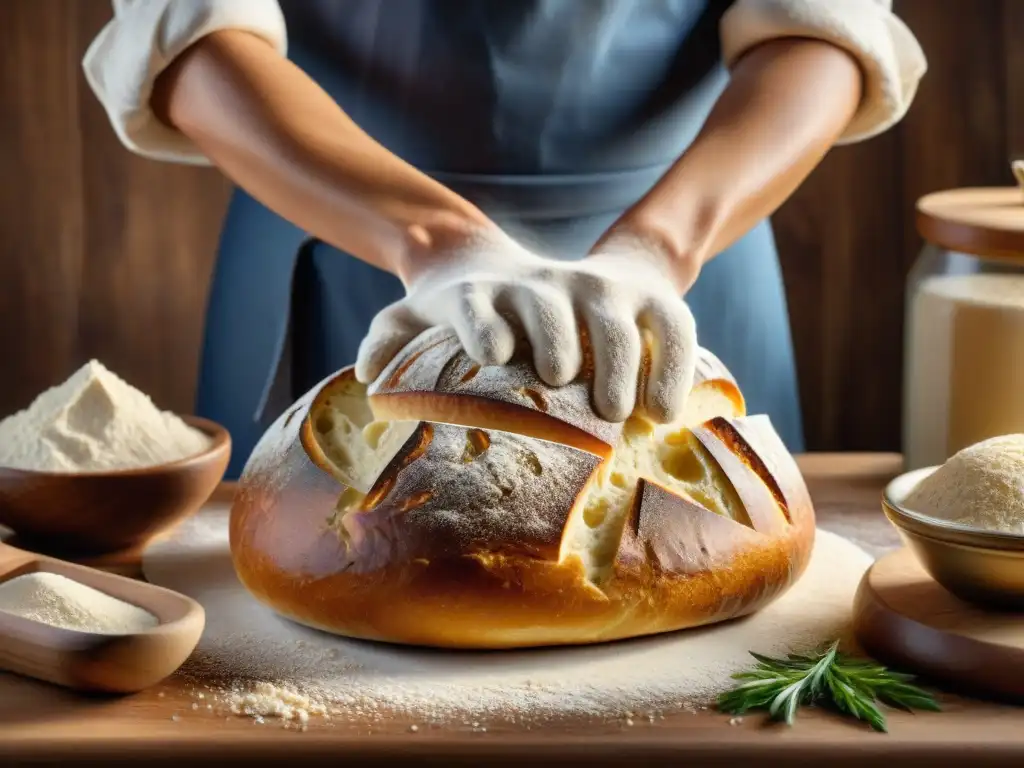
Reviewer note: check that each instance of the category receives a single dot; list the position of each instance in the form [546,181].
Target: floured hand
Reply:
[485,289]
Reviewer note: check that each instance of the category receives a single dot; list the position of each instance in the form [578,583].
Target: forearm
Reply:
[786,104]
[275,133]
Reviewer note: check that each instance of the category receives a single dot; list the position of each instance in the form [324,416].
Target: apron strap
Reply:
[278,389]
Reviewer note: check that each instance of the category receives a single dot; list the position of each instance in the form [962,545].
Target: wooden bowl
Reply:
[100,512]
[982,567]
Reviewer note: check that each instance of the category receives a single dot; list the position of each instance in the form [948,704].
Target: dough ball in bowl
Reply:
[981,486]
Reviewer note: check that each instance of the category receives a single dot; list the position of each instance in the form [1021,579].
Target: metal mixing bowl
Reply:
[981,567]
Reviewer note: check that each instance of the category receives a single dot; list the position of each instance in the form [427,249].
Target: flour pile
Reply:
[247,650]
[981,486]
[62,602]
[95,422]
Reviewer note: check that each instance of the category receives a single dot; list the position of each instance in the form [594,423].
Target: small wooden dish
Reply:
[97,662]
[94,513]
[978,566]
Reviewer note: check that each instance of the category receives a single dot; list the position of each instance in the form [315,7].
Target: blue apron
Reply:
[553,116]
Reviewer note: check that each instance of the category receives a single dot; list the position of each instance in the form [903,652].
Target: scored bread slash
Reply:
[765,442]
[342,437]
[683,537]
[453,491]
[715,392]
[435,380]
[434,377]
[744,472]
[707,567]
[456,506]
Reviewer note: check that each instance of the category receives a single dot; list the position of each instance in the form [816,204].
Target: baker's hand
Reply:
[485,289]
[645,279]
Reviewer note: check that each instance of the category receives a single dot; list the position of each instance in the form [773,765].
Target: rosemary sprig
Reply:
[852,686]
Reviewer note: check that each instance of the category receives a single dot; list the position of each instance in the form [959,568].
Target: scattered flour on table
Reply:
[62,602]
[270,700]
[95,422]
[261,665]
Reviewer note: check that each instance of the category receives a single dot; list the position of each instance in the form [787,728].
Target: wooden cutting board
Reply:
[906,618]
[169,725]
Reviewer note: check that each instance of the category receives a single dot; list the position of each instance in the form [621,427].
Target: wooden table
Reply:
[41,724]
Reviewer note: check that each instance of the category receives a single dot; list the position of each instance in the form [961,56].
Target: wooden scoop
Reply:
[98,662]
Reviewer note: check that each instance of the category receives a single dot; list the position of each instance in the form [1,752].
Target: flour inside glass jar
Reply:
[965,364]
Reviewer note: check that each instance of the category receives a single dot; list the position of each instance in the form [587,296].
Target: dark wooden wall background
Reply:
[106,255]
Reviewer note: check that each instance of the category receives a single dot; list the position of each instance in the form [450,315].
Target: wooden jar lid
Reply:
[984,221]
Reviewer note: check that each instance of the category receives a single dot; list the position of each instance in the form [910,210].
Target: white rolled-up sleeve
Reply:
[889,54]
[142,40]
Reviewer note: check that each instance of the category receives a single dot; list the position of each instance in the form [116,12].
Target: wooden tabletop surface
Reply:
[42,724]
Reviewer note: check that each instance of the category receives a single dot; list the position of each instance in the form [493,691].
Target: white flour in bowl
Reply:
[262,665]
[95,422]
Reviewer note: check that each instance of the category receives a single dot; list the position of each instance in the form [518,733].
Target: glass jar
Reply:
[963,376]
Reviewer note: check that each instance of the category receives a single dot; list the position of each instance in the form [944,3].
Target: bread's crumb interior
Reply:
[359,448]
[671,457]
[356,446]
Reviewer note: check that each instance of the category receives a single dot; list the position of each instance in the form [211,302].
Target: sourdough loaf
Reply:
[464,507]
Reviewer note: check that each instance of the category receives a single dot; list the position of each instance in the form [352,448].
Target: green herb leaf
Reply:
[854,687]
